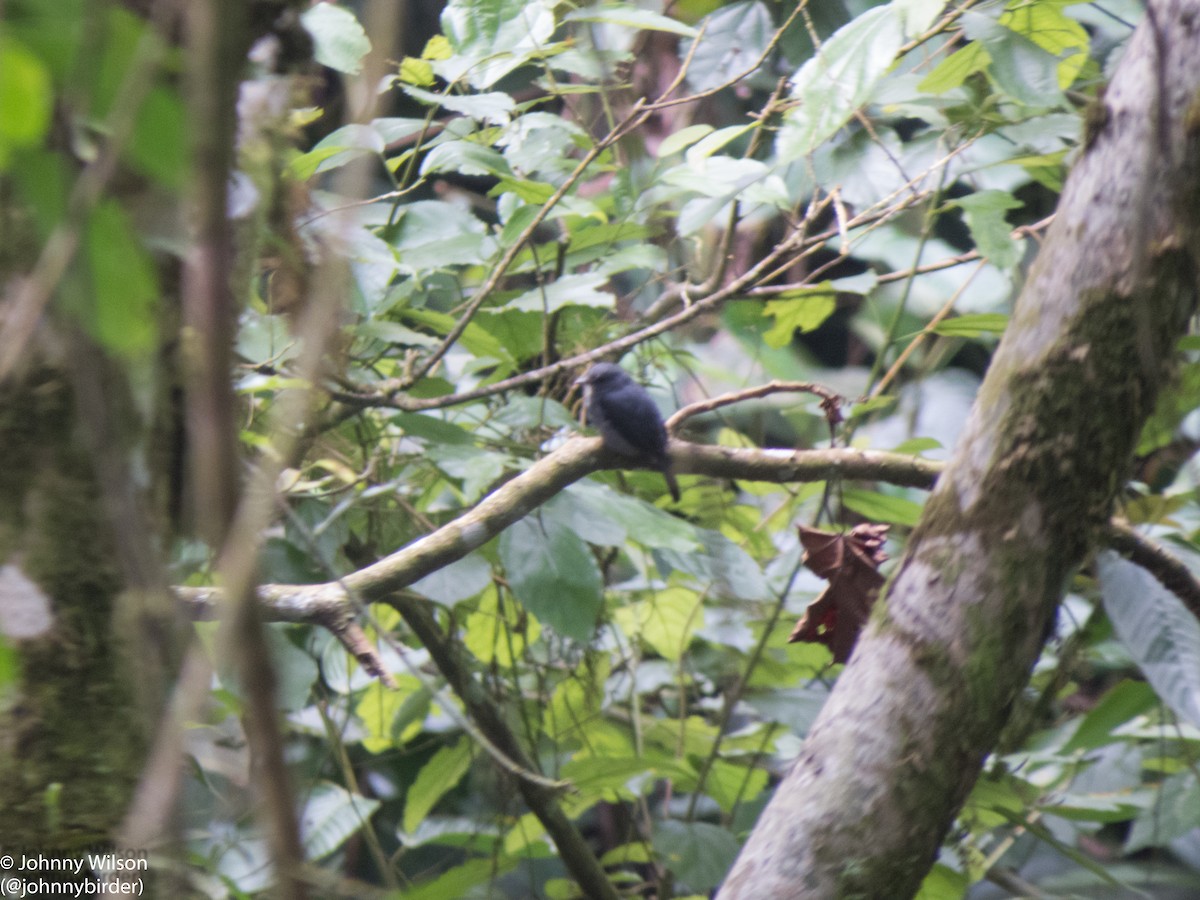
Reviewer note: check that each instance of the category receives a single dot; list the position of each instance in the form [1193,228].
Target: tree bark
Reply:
[901,740]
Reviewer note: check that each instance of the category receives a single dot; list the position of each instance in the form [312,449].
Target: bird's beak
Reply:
[580,381]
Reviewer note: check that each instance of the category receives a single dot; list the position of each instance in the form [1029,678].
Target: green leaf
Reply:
[554,575]
[466,158]
[1176,812]
[491,38]
[338,39]
[630,16]
[1019,67]
[1157,629]
[498,634]
[26,97]
[332,815]
[597,778]
[1116,707]
[984,212]
[972,325]
[805,309]
[710,144]
[455,582]
[461,881]
[441,774]
[124,284]
[474,337]
[666,621]
[697,853]
[159,147]
[391,717]
[495,107]
[1059,35]
[1083,808]
[415,71]
[943,883]
[956,68]
[580,289]
[720,565]
[606,517]
[843,74]
[735,37]
[730,784]
[1177,401]
[882,507]
[681,139]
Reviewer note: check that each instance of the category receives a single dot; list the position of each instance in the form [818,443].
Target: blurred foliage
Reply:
[526,208]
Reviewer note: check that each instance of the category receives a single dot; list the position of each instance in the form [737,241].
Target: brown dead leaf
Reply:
[851,563]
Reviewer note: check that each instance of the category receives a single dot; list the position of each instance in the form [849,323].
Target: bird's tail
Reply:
[672,484]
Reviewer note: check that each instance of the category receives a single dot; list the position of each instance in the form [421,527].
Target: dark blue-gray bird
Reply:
[627,418]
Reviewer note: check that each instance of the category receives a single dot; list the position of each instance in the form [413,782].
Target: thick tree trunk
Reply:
[903,736]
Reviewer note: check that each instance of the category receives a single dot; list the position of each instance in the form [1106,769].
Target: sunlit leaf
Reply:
[338,39]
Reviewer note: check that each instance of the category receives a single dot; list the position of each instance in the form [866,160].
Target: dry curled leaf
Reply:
[850,561]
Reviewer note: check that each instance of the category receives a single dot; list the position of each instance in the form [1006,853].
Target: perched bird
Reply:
[627,419]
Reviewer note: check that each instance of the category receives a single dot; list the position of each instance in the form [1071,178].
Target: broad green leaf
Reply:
[491,38]
[943,883]
[417,72]
[984,212]
[627,854]
[332,815]
[1019,67]
[524,834]
[462,880]
[580,289]
[599,778]
[882,507]
[159,146]
[720,565]
[698,854]
[459,580]
[497,634]
[682,139]
[554,575]
[843,74]
[630,16]
[972,325]
[666,621]
[1177,401]
[576,701]
[1059,35]
[338,39]
[1157,629]
[1116,707]
[916,446]
[805,309]
[606,517]
[1174,813]
[391,717]
[474,337]
[710,144]
[466,158]
[26,97]
[730,784]
[495,108]
[1082,808]
[956,68]
[124,284]
[533,192]
[441,774]
[735,36]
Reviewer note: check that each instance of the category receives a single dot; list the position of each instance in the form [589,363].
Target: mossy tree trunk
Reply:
[72,726]
[921,703]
